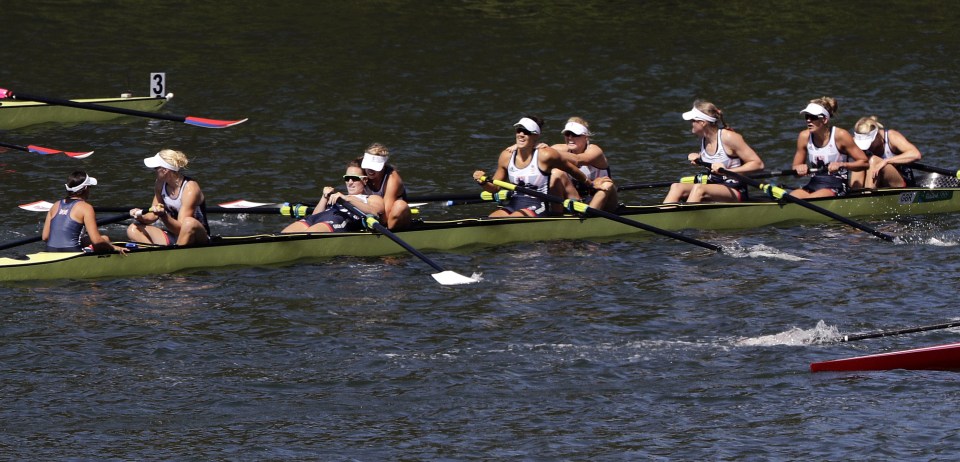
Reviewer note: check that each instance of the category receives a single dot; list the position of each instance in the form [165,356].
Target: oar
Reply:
[577,206]
[197,121]
[28,240]
[930,168]
[296,210]
[443,277]
[42,150]
[908,330]
[780,193]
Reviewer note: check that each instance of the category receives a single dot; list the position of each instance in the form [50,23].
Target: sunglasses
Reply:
[811,117]
[571,134]
[524,131]
[352,178]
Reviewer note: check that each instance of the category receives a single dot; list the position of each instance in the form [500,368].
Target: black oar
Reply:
[577,206]
[443,277]
[197,121]
[780,193]
[930,168]
[296,210]
[703,177]
[908,330]
[28,240]
[42,150]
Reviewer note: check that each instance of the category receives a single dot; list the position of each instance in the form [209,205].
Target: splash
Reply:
[822,333]
[759,251]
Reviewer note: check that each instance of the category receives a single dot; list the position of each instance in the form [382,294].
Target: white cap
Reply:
[864,140]
[157,161]
[373,161]
[576,129]
[696,114]
[88,181]
[817,110]
[528,124]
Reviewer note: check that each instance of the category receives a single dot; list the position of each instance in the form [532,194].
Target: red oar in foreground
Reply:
[197,121]
[42,150]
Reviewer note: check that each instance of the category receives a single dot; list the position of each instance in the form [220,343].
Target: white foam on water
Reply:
[821,333]
[759,251]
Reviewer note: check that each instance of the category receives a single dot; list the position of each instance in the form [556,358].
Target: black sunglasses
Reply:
[352,177]
[524,131]
[807,116]
[571,134]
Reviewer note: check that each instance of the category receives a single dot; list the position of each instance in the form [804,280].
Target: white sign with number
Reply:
[158,84]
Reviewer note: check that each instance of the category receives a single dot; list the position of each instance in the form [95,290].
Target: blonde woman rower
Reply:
[178,204]
[890,155]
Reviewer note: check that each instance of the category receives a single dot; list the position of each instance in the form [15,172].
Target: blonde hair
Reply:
[828,103]
[378,149]
[581,121]
[712,110]
[176,158]
[867,124]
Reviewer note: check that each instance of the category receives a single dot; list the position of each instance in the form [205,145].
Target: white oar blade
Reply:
[244,204]
[450,278]
[38,206]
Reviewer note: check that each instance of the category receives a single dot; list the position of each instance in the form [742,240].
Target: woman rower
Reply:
[178,203]
[330,217]
[528,164]
[600,191]
[384,181]
[890,154]
[70,216]
[720,147]
[825,147]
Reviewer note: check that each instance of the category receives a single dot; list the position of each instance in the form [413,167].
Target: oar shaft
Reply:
[930,168]
[909,330]
[781,194]
[38,238]
[97,107]
[373,223]
[584,208]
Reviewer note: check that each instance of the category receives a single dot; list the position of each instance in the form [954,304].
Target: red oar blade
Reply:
[42,150]
[212,123]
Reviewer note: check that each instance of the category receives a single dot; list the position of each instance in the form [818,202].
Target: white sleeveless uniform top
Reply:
[887,151]
[531,176]
[593,173]
[720,156]
[826,154]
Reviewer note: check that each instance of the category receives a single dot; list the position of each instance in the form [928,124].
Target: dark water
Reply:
[626,349]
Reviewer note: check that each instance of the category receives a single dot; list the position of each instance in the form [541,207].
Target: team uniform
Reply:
[65,234]
[720,156]
[592,173]
[529,177]
[172,207]
[338,218]
[387,171]
[905,171]
[822,157]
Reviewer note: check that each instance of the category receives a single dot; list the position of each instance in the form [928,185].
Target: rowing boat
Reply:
[271,249]
[21,113]
[935,358]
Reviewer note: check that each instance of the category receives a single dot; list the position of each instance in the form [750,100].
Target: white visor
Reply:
[88,181]
[864,140]
[528,124]
[575,128]
[817,110]
[157,161]
[696,114]
[373,161]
